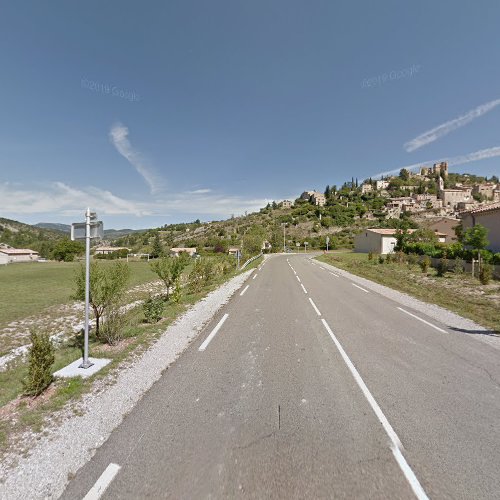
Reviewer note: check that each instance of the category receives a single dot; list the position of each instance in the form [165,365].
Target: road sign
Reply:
[78,230]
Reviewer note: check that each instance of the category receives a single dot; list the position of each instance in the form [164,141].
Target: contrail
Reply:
[119,138]
[445,128]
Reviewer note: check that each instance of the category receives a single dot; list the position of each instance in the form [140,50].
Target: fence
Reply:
[251,260]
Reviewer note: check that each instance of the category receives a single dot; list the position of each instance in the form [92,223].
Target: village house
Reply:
[489,217]
[10,255]
[381,241]
[443,225]
[286,204]
[486,190]
[366,188]
[175,252]
[107,250]
[379,185]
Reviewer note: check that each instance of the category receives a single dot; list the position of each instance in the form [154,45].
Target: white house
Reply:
[8,255]
[381,241]
[175,252]
[489,217]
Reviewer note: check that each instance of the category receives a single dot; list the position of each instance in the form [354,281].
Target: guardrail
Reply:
[251,260]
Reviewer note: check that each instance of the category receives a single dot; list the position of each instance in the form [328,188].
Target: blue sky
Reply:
[159,112]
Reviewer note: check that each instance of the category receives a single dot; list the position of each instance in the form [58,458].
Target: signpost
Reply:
[91,228]
[327,242]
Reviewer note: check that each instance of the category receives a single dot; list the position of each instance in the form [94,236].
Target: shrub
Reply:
[41,359]
[485,274]
[381,259]
[153,309]
[113,325]
[370,255]
[425,263]
[412,259]
[459,266]
[177,292]
[442,267]
[496,259]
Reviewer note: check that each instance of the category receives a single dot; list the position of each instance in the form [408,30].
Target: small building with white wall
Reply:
[10,255]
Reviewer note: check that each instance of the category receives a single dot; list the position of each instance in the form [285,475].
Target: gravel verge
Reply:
[72,440]
[438,313]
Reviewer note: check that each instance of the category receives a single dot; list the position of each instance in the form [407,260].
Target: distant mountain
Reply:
[110,234]
[65,228]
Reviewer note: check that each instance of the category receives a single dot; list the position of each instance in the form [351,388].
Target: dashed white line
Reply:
[423,320]
[254,276]
[361,288]
[396,443]
[333,274]
[244,290]
[103,482]
[213,333]
[298,279]
[303,288]
[314,306]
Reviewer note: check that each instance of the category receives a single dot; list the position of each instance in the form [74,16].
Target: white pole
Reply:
[86,363]
[284,247]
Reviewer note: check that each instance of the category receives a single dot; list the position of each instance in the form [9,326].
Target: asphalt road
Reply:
[306,385]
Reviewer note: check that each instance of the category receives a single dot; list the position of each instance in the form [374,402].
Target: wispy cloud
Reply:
[119,138]
[482,154]
[200,191]
[447,127]
[59,199]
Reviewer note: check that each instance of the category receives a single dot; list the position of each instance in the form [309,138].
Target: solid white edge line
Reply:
[103,482]
[396,443]
[409,474]
[303,288]
[314,306]
[298,279]
[212,333]
[361,288]
[244,290]
[423,320]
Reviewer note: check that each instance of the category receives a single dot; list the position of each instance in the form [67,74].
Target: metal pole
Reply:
[284,247]
[86,363]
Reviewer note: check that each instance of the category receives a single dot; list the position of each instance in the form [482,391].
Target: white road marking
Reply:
[314,306]
[244,290]
[254,276]
[396,443]
[212,333]
[422,320]
[103,482]
[298,279]
[303,288]
[333,274]
[357,286]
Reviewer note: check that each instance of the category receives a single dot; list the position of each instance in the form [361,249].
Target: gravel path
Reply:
[438,313]
[72,440]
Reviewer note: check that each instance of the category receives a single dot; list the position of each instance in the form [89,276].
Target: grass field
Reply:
[27,289]
[457,292]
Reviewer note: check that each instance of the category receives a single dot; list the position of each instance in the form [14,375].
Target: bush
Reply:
[113,325]
[496,259]
[412,259]
[153,309]
[177,292]
[41,359]
[381,259]
[425,264]
[485,274]
[370,255]
[459,266]
[442,267]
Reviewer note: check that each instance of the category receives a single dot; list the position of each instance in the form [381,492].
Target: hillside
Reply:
[110,234]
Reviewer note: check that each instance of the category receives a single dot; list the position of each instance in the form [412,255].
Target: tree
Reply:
[404,174]
[169,270]
[157,250]
[107,287]
[41,359]
[66,250]
[476,237]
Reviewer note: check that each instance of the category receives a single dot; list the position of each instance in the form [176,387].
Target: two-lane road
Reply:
[306,386]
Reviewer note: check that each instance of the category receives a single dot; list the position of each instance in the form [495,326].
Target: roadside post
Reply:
[238,256]
[327,242]
[305,246]
[90,229]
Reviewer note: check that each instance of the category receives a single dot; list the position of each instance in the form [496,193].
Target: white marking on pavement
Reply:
[213,332]
[314,306]
[422,320]
[333,274]
[409,474]
[361,288]
[303,288]
[103,482]
[244,290]
[254,276]
[298,279]
[396,443]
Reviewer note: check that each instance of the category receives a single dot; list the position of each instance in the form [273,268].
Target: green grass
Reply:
[140,334]
[459,293]
[27,289]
